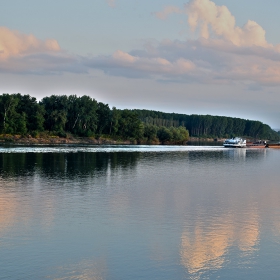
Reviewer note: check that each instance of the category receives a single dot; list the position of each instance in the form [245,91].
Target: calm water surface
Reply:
[139,212]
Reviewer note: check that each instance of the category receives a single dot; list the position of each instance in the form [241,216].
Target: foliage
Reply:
[209,126]
[84,116]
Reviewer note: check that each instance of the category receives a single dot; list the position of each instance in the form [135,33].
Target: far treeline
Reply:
[65,116]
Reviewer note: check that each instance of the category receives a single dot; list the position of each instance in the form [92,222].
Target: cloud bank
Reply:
[222,53]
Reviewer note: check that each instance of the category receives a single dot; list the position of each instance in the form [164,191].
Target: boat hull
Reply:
[236,142]
[274,146]
[234,146]
[256,145]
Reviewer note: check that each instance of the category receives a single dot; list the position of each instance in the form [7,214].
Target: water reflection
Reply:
[206,247]
[64,164]
[84,270]
[89,163]
[195,214]
[7,211]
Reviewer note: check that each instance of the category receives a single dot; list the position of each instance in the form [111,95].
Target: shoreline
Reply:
[56,140]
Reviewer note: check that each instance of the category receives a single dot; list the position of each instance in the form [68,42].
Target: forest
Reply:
[207,126]
[83,116]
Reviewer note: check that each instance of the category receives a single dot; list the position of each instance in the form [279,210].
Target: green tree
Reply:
[130,126]
[87,121]
[150,132]
[56,109]
[8,104]
[103,118]
[34,113]
[114,121]
[164,134]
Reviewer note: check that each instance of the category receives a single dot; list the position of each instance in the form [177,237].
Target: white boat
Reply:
[235,142]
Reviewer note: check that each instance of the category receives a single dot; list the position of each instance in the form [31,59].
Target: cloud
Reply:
[167,11]
[141,66]
[25,54]
[111,3]
[13,43]
[223,53]
[206,15]
[195,61]
[213,20]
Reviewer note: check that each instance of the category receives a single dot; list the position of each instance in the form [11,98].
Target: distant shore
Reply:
[56,140]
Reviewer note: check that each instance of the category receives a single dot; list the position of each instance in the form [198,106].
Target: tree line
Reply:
[83,116]
[210,126]
[79,116]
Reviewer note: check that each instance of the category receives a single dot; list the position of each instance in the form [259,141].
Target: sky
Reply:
[217,57]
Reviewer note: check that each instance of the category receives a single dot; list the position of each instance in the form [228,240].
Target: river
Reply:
[139,212]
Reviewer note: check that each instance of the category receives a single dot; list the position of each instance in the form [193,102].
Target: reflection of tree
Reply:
[17,164]
[65,165]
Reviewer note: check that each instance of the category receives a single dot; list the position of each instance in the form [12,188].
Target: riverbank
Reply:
[56,140]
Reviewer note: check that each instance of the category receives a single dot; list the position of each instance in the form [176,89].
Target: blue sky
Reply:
[217,57]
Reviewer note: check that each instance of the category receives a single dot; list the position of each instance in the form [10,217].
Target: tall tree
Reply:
[8,104]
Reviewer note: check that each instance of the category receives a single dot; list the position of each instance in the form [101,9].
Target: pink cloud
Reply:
[206,15]
[167,11]
[25,54]
[13,43]
[146,66]
[124,57]
[111,3]
[224,53]
[217,21]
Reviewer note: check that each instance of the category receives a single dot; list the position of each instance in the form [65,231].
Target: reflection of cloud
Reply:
[7,212]
[276,228]
[207,246]
[12,212]
[270,205]
[248,235]
[85,270]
